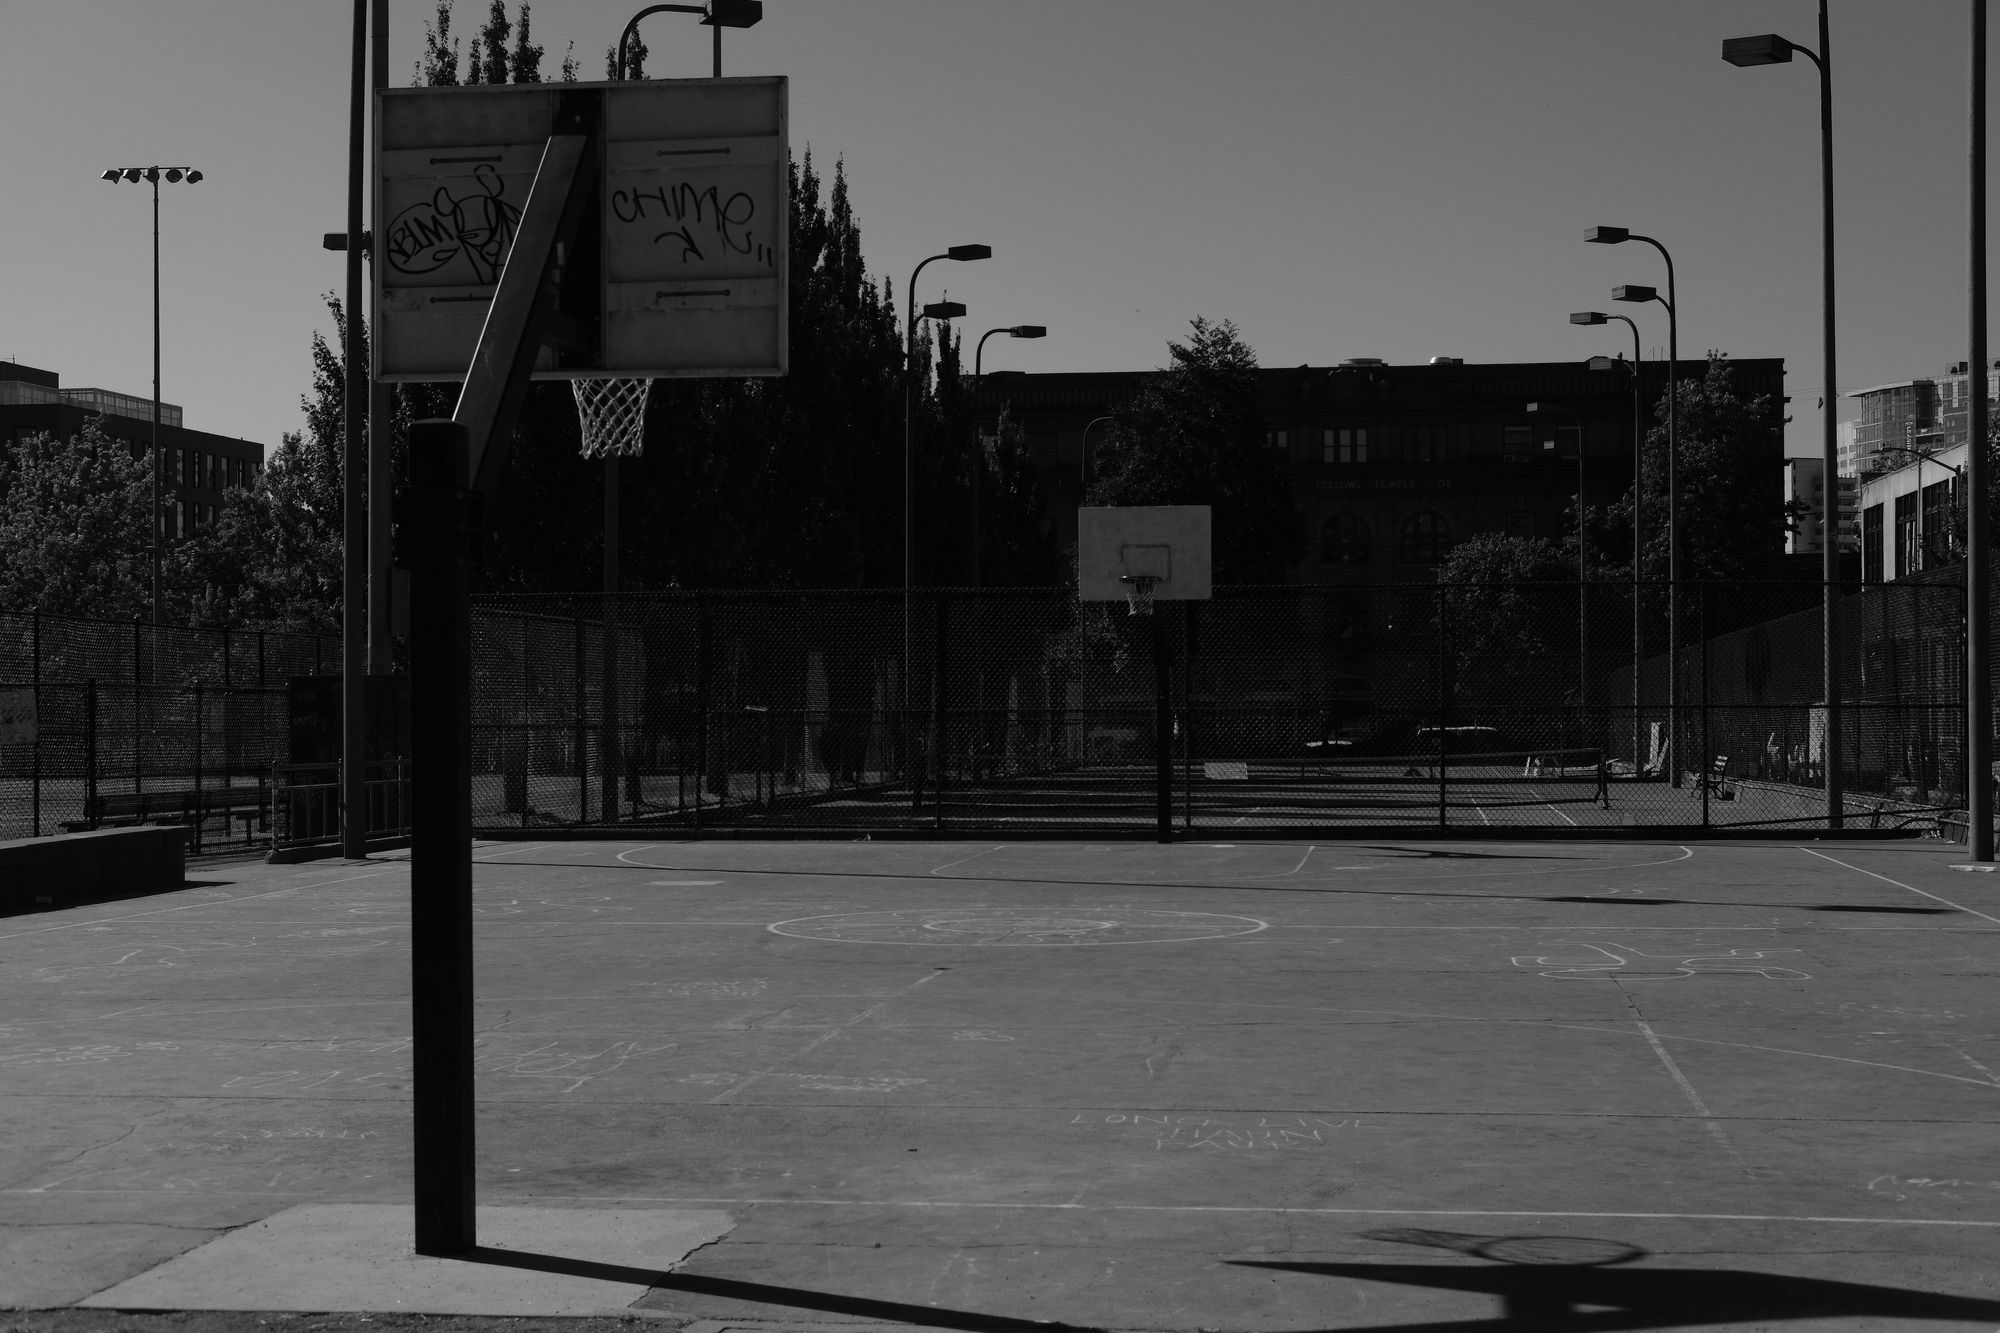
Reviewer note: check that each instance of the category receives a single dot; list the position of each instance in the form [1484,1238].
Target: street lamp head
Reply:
[1589,317]
[174,175]
[194,177]
[153,175]
[733,13]
[1028,331]
[964,252]
[1635,293]
[1606,235]
[945,310]
[1606,363]
[134,175]
[1767,49]
[113,174]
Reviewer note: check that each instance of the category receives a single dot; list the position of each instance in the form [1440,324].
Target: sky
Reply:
[1389,178]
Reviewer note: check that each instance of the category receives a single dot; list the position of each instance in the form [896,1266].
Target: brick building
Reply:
[200,466]
[1393,465]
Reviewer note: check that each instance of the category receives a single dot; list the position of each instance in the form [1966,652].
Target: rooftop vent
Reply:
[1364,361]
[1447,360]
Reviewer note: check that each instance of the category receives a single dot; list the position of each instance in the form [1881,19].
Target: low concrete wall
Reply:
[39,874]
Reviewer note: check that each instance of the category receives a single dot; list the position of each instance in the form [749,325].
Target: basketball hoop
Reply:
[612,416]
[1138,593]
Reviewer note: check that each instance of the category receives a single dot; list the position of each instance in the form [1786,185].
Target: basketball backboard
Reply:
[1168,544]
[693,202]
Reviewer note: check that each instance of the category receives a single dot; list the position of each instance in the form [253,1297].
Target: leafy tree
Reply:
[73,526]
[1194,435]
[439,67]
[1729,509]
[526,58]
[1508,599]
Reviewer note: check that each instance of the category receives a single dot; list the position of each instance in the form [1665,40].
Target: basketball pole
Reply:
[452,464]
[353,489]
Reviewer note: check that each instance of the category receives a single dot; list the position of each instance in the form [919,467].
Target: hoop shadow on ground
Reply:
[1554,1283]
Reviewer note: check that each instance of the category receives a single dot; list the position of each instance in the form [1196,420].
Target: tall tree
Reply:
[1194,435]
[526,58]
[1730,512]
[73,526]
[439,66]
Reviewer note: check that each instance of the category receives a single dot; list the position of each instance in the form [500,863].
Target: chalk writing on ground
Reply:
[1622,962]
[1901,1187]
[817,1082]
[962,927]
[1168,1131]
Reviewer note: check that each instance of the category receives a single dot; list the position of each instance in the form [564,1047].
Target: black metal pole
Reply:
[1163,729]
[434,530]
[938,678]
[381,484]
[353,483]
[1836,799]
[1978,571]
[159,464]
[1187,714]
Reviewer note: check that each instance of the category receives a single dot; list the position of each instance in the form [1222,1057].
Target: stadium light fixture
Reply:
[1764,49]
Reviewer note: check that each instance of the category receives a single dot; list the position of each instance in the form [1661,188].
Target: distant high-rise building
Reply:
[1804,485]
[1903,415]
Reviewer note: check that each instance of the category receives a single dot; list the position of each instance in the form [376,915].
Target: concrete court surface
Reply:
[1267,1086]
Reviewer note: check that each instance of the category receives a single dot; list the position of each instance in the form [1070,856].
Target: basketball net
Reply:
[1138,593]
[612,416]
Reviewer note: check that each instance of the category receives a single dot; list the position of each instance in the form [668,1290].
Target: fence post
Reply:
[90,750]
[197,768]
[35,751]
[703,649]
[580,727]
[138,696]
[938,712]
[1187,714]
[1443,706]
[1705,769]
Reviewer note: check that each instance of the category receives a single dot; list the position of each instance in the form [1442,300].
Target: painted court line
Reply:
[1899,884]
[1253,1208]
[963,859]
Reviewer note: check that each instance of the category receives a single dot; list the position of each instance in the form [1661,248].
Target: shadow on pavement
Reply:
[856,1307]
[1559,1283]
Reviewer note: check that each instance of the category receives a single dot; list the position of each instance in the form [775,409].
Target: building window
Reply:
[1907,557]
[1425,444]
[1517,444]
[1343,540]
[1871,544]
[1426,537]
[1344,445]
[1564,445]
[1278,441]
[1521,523]
[179,463]
[1940,523]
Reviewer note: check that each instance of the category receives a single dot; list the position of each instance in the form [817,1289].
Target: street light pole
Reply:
[1083,455]
[1978,683]
[1771,49]
[963,254]
[979,458]
[1614,236]
[152,176]
[1638,509]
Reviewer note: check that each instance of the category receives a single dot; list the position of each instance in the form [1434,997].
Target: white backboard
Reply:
[1169,543]
[694,199]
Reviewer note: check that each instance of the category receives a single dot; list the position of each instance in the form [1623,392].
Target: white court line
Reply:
[1244,1208]
[1899,884]
[646,865]
[1553,806]
[540,846]
[210,902]
[963,859]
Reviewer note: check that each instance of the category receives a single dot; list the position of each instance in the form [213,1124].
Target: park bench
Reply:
[173,806]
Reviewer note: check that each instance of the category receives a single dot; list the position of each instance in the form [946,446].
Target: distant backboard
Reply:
[694,201]
[1166,543]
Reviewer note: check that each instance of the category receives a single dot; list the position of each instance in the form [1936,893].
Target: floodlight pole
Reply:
[1582,564]
[1638,510]
[1978,573]
[1083,457]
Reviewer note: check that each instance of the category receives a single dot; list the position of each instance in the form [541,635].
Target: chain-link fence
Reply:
[133,723]
[1288,709]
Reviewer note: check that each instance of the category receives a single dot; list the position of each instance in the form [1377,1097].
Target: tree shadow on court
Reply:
[1559,1283]
[763,1293]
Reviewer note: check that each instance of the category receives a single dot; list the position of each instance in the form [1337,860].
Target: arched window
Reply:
[1343,540]
[1426,537]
